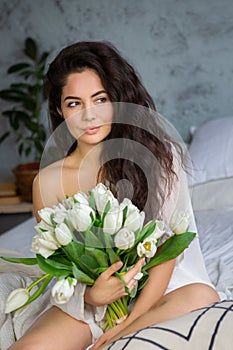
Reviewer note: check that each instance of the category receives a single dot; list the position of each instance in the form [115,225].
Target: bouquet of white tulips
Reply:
[83,235]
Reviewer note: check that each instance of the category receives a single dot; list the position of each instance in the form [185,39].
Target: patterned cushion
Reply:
[209,328]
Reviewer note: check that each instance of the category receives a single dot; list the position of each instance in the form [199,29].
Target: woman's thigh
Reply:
[183,300]
[55,330]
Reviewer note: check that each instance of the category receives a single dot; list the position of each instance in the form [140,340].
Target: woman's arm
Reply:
[159,277]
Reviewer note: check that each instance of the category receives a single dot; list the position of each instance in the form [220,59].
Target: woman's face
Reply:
[86,107]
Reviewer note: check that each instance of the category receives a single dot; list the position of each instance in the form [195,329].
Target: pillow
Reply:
[207,328]
[213,194]
[211,151]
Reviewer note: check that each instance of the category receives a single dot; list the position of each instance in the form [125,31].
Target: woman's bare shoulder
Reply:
[48,185]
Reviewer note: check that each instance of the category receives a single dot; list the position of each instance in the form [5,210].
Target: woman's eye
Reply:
[73,104]
[101,100]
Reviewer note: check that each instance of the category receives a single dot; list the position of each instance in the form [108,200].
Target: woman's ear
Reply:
[59,112]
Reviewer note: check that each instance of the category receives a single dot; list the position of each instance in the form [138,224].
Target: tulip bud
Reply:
[16,299]
[81,216]
[63,290]
[134,218]
[63,234]
[81,198]
[102,196]
[60,213]
[113,220]
[179,222]
[159,230]
[124,239]
[44,244]
[45,215]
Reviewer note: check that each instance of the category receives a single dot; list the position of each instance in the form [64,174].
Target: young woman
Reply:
[96,97]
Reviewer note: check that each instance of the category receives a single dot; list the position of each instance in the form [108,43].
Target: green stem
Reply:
[122,302]
[118,311]
[37,281]
[109,319]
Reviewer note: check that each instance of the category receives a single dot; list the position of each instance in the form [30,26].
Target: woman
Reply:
[97,97]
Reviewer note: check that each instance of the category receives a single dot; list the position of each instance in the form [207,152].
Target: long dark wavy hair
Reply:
[150,171]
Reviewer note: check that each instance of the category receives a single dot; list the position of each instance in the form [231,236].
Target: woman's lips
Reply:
[92,130]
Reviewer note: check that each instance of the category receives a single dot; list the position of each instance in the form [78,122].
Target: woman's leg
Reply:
[174,304]
[55,330]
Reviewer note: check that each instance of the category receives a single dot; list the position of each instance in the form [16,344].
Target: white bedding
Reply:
[215,228]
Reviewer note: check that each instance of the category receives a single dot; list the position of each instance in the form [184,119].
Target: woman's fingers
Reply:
[134,271]
[132,284]
[112,269]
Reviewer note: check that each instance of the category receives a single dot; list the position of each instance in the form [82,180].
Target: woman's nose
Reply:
[88,114]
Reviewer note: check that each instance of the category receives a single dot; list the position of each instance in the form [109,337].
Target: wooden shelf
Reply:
[11,202]
[22,207]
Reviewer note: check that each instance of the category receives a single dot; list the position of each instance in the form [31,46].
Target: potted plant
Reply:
[24,114]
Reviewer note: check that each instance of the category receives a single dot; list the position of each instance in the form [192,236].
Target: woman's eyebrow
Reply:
[78,98]
[98,93]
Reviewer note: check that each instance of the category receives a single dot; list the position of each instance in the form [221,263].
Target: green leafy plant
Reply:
[27,95]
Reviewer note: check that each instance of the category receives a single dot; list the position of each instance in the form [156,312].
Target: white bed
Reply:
[211,188]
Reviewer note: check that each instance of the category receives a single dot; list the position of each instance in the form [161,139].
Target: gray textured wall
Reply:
[183,50]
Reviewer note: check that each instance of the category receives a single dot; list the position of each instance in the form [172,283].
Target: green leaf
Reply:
[81,276]
[30,48]
[106,210]
[17,67]
[92,201]
[113,257]
[28,151]
[53,267]
[125,210]
[43,57]
[92,241]
[13,95]
[100,256]
[16,114]
[19,86]
[172,248]
[145,232]
[86,266]
[143,281]
[131,256]
[74,250]
[90,261]
[4,136]
[25,261]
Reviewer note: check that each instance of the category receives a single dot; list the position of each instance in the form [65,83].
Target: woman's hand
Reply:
[108,288]
[108,337]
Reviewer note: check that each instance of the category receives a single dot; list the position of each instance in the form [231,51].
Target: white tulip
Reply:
[134,218]
[63,290]
[45,215]
[159,230]
[16,299]
[102,196]
[63,234]
[80,217]
[124,239]
[147,248]
[44,244]
[180,221]
[42,227]
[60,213]
[113,219]
[68,202]
[81,198]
